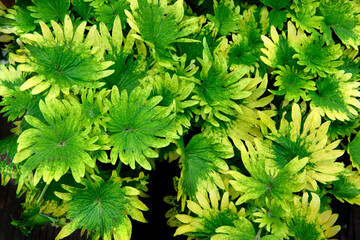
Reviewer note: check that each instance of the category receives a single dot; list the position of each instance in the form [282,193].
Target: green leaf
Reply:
[279,183]
[208,214]
[82,8]
[279,49]
[16,106]
[304,14]
[342,17]
[277,18]
[159,30]
[354,151]
[242,54]
[243,230]
[31,218]
[226,17]
[336,97]
[201,163]
[217,89]
[175,90]
[60,143]
[130,65]
[137,126]
[107,12]
[276,4]
[47,10]
[293,84]
[344,189]
[63,61]
[317,58]
[8,146]
[10,79]
[23,21]
[103,208]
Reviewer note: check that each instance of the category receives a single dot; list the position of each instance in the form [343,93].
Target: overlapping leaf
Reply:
[137,126]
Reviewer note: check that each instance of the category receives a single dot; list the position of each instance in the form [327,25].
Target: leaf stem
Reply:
[42,193]
[257,237]
[118,168]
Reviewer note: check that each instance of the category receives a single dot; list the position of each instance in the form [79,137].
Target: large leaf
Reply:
[343,17]
[318,57]
[202,162]
[47,10]
[226,17]
[102,208]
[207,215]
[107,12]
[293,84]
[56,145]
[62,61]
[304,14]
[278,183]
[160,29]
[137,126]
[217,89]
[336,97]
[279,49]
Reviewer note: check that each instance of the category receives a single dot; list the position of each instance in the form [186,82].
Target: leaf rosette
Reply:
[63,60]
[102,208]
[137,125]
[210,215]
[305,139]
[56,145]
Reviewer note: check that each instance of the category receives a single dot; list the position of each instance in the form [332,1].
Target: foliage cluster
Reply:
[257,102]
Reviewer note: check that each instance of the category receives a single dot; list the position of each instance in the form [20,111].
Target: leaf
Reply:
[242,54]
[175,90]
[336,97]
[254,23]
[47,10]
[342,17]
[303,13]
[56,145]
[31,218]
[317,58]
[23,21]
[277,5]
[307,222]
[243,230]
[82,8]
[208,214]
[8,146]
[201,162]
[16,106]
[226,17]
[107,12]
[103,208]
[137,126]
[279,49]
[63,61]
[277,18]
[130,66]
[354,151]
[160,31]
[344,189]
[280,183]
[293,84]
[217,90]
